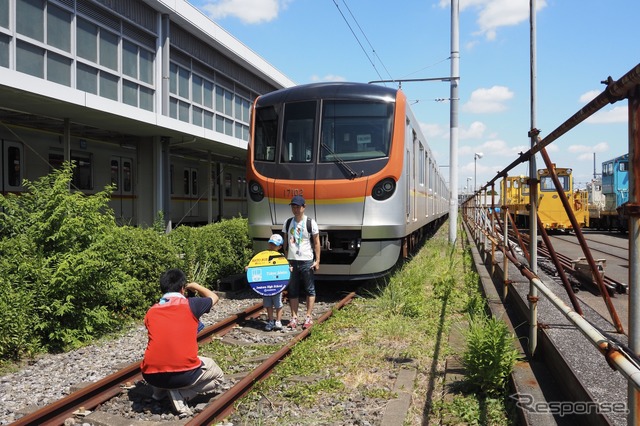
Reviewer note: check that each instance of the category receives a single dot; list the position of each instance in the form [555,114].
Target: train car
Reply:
[30,154]
[615,190]
[550,209]
[596,201]
[356,153]
[516,189]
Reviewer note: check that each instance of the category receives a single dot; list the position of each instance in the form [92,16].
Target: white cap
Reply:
[276,239]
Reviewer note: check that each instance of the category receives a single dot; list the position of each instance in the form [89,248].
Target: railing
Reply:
[484,229]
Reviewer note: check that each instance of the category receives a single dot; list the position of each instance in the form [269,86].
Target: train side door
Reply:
[122,198]
[190,182]
[12,167]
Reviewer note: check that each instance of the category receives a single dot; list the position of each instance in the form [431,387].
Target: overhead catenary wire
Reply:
[356,37]
[367,38]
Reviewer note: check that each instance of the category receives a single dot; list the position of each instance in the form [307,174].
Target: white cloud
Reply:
[248,11]
[619,114]
[585,152]
[475,131]
[433,131]
[487,101]
[328,77]
[601,147]
[578,148]
[493,14]
[589,96]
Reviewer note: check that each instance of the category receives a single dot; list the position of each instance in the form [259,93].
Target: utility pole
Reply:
[454,98]
[453,143]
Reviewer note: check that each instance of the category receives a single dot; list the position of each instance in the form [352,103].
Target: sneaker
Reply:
[293,323]
[269,325]
[277,325]
[307,323]
[179,404]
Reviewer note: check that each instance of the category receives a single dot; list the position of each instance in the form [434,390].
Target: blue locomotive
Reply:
[615,192]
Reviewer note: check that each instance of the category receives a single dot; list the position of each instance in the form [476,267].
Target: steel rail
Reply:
[96,393]
[611,284]
[223,406]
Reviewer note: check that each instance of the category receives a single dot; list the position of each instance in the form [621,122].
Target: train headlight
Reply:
[384,189]
[255,191]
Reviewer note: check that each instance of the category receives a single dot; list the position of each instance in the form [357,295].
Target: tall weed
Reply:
[489,356]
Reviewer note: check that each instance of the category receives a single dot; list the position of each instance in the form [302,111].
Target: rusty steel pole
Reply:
[633,211]
[533,197]
[505,230]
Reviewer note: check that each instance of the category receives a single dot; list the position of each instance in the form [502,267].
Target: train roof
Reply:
[618,158]
[330,90]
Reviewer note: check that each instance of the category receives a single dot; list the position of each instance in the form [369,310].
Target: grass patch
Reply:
[352,359]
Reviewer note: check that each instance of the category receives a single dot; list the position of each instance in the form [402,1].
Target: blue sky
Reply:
[579,44]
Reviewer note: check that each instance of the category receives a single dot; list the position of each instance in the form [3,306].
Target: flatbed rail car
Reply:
[550,209]
[356,153]
[615,191]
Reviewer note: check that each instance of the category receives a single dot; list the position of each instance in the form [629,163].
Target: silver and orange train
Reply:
[356,153]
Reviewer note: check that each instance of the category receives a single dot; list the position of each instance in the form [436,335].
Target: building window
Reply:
[4,50]
[130,93]
[58,69]
[208,94]
[30,18]
[196,89]
[87,79]
[4,14]
[58,28]
[30,59]
[14,160]
[108,86]
[146,98]
[208,120]
[82,171]
[197,116]
[129,59]
[146,66]
[87,40]
[108,50]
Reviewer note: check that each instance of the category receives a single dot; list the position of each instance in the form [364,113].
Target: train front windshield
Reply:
[546,183]
[355,131]
[349,131]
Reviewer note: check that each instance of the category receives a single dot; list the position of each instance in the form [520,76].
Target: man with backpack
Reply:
[302,246]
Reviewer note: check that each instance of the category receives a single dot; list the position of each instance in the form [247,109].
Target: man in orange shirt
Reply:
[171,362]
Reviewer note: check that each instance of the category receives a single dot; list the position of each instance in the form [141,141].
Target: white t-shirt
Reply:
[298,238]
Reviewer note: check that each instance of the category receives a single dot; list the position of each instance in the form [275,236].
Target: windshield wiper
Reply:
[340,161]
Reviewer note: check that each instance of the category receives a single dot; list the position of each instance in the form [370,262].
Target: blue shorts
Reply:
[301,275]
[274,301]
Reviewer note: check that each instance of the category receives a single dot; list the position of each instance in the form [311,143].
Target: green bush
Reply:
[112,282]
[70,274]
[18,322]
[489,356]
[224,247]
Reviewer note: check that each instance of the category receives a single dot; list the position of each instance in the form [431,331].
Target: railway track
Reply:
[81,402]
[613,286]
[598,246]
